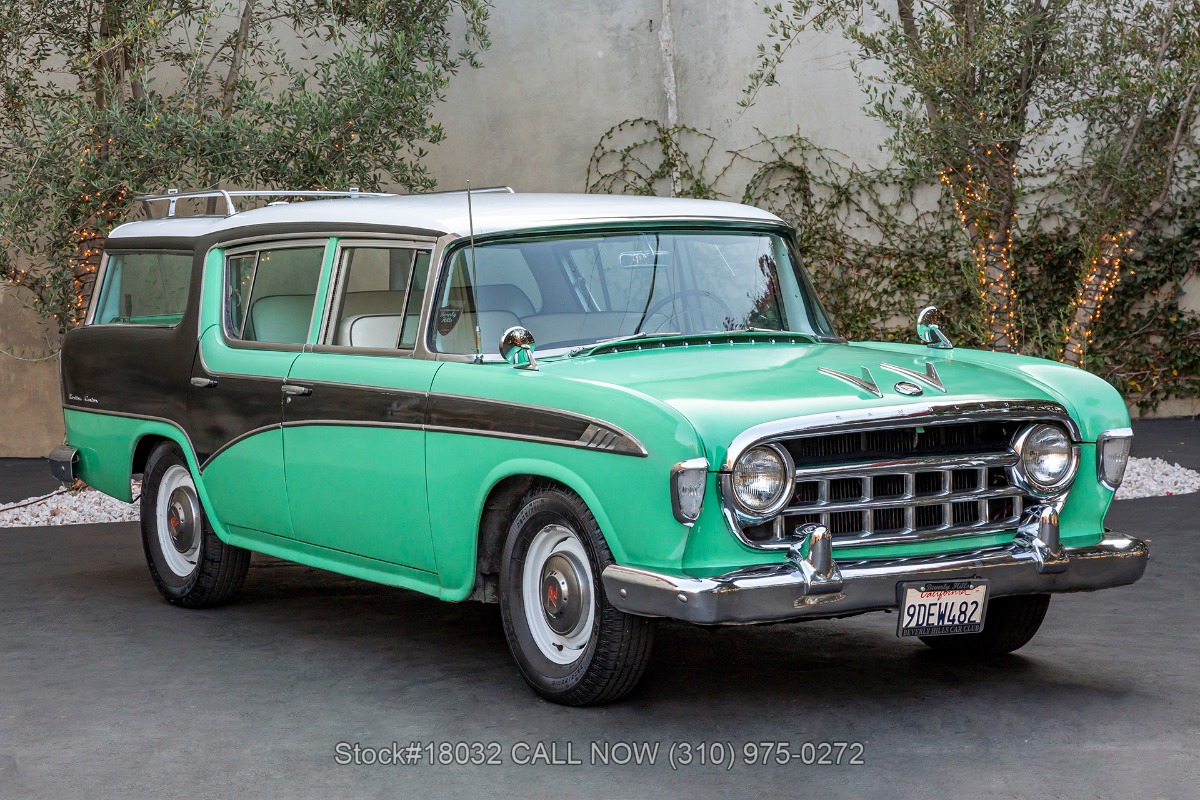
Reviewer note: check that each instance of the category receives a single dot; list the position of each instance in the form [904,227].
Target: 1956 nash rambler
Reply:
[352,383]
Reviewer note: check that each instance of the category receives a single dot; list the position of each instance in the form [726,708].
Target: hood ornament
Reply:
[929,377]
[908,388]
[866,383]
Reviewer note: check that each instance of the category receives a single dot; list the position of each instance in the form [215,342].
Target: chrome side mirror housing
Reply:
[516,347]
[929,329]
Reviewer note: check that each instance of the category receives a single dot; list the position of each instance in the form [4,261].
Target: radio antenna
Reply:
[474,284]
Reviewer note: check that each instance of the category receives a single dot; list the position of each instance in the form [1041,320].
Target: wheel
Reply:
[190,566]
[570,643]
[1011,622]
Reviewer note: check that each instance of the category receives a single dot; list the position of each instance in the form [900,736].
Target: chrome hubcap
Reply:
[182,514]
[178,521]
[562,601]
[558,595]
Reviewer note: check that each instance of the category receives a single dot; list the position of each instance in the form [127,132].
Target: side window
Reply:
[372,309]
[270,294]
[144,289]
[416,297]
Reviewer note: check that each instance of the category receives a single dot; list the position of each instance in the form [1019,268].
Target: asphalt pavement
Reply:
[106,691]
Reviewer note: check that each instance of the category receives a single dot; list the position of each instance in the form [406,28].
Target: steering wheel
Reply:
[726,311]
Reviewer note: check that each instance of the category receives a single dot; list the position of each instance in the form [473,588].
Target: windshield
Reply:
[580,290]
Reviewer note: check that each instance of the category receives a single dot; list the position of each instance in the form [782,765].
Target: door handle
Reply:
[203,383]
[292,390]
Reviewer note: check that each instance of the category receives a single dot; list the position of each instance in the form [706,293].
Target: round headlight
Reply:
[1047,457]
[762,479]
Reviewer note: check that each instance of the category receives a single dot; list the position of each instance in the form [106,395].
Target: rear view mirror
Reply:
[645,259]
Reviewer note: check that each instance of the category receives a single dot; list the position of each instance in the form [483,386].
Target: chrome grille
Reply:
[901,500]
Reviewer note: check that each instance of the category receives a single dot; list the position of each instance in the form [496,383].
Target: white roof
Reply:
[447,213]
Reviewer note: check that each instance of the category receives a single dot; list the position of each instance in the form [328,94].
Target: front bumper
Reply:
[788,591]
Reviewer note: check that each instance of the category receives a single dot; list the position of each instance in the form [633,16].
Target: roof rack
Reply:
[174,195]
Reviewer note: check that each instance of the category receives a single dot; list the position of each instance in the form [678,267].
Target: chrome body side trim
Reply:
[785,591]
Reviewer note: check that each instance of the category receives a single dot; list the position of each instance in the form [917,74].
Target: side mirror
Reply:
[929,329]
[516,347]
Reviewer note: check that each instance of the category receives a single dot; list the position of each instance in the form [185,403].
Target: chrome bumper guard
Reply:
[62,464]
[812,585]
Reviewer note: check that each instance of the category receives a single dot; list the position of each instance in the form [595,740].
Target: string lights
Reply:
[992,254]
[1103,275]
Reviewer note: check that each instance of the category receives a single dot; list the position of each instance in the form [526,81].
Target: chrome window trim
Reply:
[437,269]
[251,240]
[257,247]
[94,300]
[102,270]
[1105,436]
[337,289]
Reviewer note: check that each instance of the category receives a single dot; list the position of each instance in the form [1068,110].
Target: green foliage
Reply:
[1002,99]
[104,99]
[880,245]
[640,156]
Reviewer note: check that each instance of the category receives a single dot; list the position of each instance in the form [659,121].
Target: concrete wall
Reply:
[31,422]
[557,77]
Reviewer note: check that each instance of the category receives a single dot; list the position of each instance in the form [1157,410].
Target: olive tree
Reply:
[1137,156]
[1003,100]
[101,100]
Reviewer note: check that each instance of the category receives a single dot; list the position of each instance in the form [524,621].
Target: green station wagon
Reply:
[593,410]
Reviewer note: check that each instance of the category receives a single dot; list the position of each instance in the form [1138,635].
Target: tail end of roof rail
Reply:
[173,196]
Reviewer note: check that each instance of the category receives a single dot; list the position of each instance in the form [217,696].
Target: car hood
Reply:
[723,389]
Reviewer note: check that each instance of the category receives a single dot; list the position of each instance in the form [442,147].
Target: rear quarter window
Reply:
[144,289]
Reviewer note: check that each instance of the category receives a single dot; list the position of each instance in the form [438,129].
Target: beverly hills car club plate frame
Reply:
[940,608]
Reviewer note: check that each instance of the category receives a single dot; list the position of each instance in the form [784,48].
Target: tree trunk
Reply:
[995,274]
[987,221]
[1097,285]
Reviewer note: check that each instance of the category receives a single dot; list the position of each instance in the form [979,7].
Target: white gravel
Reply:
[1145,477]
[70,508]
[1153,477]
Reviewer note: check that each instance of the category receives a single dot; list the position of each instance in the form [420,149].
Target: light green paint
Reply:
[246,480]
[629,496]
[403,507]
[360,489]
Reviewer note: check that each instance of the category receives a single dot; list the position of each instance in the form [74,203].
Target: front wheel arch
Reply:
[499,509]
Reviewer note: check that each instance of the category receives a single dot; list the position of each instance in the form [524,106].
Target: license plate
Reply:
[937,608]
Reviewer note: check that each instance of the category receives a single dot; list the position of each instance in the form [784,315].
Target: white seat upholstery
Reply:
[504,297]
[385,302]
[369,330]
[283,318]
